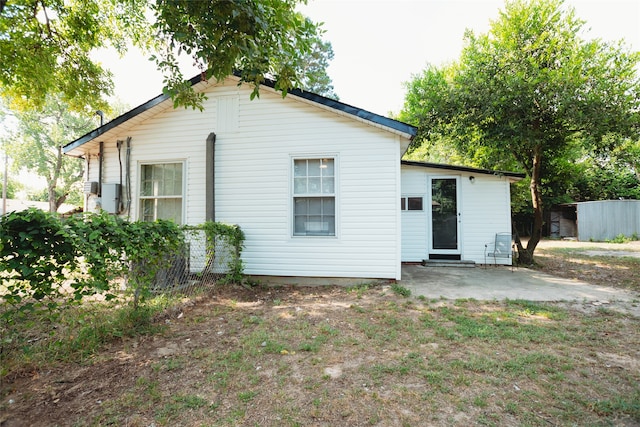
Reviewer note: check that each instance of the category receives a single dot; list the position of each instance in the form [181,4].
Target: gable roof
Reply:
[513,176]
[163,101]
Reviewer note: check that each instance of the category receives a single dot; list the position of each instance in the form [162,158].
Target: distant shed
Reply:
[598,220]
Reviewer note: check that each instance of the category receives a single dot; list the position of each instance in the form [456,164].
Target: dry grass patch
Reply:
[346,357]
[610,264]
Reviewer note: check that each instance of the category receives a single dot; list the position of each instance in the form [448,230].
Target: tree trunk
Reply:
[53,202]
[53,182]
[60,200]
[526,256]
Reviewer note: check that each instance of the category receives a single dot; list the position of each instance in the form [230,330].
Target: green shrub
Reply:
[621,238]
[35,256]
[40,255]
[112,247]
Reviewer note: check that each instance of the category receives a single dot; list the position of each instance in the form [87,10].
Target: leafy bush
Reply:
[148,246]
[35,256]
[621,238]
[112,247]
[45,261]
[42,255]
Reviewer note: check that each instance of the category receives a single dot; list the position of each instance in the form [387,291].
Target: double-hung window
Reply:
[314,197]
[161,188]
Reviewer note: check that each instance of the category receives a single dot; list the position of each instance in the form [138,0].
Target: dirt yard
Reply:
[612,264]
[326,356]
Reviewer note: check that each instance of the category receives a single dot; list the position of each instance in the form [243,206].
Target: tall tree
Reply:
[37,143]
[46,46]
[529,89]
[314,64]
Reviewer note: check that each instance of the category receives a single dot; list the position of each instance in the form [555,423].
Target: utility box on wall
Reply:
[111,197]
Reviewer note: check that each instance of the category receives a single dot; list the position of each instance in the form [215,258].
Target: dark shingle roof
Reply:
[318,99]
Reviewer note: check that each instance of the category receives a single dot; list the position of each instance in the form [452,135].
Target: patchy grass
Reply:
[32,340]
[401,290]
[334,356]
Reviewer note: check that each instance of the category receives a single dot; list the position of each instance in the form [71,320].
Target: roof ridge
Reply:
[199,78]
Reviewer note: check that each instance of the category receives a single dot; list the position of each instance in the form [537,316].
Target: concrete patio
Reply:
[501,282]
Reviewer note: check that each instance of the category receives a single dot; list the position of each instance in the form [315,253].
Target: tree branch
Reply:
[46,17]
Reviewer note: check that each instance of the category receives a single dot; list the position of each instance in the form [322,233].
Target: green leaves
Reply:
[44,257]
[258,40]
[34,255]
[46,47]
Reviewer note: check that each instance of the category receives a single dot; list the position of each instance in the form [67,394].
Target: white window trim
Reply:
[336,193]
[138,187]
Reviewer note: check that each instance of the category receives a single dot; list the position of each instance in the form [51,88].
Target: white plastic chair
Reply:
[501,247]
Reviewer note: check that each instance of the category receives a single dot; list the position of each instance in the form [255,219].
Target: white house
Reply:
[315,184]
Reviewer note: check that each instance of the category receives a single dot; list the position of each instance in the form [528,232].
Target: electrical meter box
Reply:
[111,197]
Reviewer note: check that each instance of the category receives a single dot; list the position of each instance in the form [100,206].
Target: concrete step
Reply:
[447,263]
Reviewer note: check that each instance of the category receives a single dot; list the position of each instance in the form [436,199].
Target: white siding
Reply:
[253,153]
[414,223]
[253,187]
[485,208]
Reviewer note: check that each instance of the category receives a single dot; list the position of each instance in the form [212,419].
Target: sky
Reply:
[380,44]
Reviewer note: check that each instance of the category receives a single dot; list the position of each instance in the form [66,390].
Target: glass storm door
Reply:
[445,218]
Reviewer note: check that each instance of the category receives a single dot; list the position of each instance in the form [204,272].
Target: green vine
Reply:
[229,235]
[44,259]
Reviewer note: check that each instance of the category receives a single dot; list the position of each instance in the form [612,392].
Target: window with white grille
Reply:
[314,197]
[161,191]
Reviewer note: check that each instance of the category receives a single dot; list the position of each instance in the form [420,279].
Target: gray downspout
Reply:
[128,176]
[120,206]
[101,115]
[100,159]
[210,180]
[87,159]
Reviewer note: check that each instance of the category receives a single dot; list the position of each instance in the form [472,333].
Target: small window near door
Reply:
[411,204]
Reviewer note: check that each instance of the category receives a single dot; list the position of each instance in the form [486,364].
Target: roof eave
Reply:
[403,129]
[512,176]
[94,134]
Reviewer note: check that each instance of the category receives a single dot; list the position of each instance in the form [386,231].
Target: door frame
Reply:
[455,254]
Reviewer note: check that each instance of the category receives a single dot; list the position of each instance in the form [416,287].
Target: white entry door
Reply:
[444,239]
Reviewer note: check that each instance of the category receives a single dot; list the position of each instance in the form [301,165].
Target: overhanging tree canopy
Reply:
[529,89]
[45,46]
